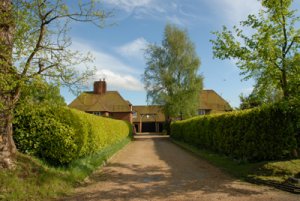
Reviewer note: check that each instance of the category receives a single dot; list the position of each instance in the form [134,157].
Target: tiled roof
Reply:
[111,101]
[147,111]
[210,100]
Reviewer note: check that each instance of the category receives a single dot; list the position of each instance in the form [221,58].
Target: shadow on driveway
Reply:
[153,168]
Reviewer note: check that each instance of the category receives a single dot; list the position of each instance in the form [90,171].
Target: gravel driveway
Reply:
[153,168]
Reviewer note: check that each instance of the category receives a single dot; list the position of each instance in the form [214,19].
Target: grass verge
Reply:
[35,180]
[275,171]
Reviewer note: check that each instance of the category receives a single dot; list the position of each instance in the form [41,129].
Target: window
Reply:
[134,114]
[97,113]
[203,112]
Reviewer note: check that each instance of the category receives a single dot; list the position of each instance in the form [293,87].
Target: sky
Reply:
[118,48]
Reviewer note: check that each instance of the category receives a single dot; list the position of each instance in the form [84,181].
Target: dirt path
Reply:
[155,169]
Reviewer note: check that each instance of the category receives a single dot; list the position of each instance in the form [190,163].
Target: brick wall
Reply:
[126,116]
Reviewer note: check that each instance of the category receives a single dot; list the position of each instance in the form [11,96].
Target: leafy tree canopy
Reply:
[39,92]
[268,51]
[34,44]
[171,78]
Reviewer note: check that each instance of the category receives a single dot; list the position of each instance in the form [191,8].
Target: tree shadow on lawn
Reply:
[177,173]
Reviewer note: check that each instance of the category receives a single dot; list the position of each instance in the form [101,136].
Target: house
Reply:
[103,103]
[151,118]
[210,103]
[144,118]
[148,118]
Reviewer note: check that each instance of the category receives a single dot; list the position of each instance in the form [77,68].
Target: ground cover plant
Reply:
[33,179]
[275,171]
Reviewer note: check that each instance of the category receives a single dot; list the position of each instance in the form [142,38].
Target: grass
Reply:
[276,171]
[35,180]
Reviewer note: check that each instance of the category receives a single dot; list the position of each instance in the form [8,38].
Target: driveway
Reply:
[153,168]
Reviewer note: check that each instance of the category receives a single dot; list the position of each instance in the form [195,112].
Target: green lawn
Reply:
[35,180]
[275,171]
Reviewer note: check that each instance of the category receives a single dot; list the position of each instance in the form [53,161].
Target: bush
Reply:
[266,133]
[60,134]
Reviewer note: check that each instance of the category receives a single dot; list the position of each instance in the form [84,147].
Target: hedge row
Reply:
[266,133]
[60,135]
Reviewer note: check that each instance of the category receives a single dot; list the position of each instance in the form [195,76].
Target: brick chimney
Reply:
[100,87]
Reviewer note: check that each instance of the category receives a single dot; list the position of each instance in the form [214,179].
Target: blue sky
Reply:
[118,49]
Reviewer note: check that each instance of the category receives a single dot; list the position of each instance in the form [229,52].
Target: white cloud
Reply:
[176,20]
[235,10]
[120,81]
[134,49]
[129,5]
[118,74]
[138,9]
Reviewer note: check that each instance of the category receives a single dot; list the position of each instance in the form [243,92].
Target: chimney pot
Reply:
[100,87]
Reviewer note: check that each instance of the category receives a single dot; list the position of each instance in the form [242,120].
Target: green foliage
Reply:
[60,135]
[266,133]
[35,43]
[260,97]
[38,91]
[41,42]
[35,180]
[39,132]
[271,54]
[170,77]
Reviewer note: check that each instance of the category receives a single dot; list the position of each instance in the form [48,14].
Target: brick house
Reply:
[103,103]
[151,118]
[144,118]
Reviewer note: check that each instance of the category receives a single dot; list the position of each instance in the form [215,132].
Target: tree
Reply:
[260,97]
[37,92]
[170,77]
[34,43]
[271,54]
[7,146]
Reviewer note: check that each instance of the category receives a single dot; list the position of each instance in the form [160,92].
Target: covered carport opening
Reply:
[147,123]
[148,127]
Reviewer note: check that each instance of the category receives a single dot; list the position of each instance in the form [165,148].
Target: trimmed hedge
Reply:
[266,133]
[60,134]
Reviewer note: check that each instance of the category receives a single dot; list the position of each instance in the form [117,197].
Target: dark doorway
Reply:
[148,127]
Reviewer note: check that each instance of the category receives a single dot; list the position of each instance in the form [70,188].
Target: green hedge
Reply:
[266,133]
[60,134]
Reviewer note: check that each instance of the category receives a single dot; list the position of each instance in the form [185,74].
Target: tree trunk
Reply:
[284,85]
[7,145]
[168,124]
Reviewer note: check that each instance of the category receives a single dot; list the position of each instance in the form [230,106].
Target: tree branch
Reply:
[36,49]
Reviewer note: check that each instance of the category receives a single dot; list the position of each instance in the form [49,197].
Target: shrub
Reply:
[266,133]
[60,134]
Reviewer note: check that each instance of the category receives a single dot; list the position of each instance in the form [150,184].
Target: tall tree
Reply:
[170,77]
[7,146]
[34,43]
[271,54]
